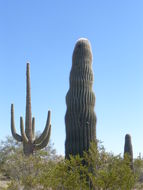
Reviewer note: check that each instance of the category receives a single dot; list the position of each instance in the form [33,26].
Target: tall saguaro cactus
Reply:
[80,118]
[128,149]
[30,144]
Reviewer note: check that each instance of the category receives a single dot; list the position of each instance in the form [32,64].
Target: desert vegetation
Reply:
[46,170]
[31,162]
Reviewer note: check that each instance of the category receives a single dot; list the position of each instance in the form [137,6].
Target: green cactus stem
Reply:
[30,143]
[80,118]
[128,149]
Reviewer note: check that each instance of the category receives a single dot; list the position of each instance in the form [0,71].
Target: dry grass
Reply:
[3,182]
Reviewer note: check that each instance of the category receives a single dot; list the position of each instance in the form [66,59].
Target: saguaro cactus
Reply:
[80,118]
[128,149]
[30,144]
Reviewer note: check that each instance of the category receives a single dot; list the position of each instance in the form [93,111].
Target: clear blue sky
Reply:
[44,32]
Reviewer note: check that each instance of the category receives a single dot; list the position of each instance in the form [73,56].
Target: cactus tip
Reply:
[82,50]
[83,41]
[128,136]
[12,107]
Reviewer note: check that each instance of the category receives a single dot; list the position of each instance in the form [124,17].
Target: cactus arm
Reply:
[13,130]
[45,132]
[24,137]
[28,133]
[44,142]
[33,127]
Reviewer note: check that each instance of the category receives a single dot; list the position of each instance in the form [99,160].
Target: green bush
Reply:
[96,170]
[22,170]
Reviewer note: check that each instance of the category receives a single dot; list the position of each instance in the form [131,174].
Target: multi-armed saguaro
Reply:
[80,118]
[128,149]
[30,144]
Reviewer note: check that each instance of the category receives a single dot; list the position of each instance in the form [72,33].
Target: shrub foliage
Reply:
[97,169]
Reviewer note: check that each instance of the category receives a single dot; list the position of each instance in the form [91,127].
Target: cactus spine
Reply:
[30,144]
[128,149]
[80,118]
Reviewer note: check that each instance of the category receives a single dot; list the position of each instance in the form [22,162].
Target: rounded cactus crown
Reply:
[128,145]
[82,50]
[128,138]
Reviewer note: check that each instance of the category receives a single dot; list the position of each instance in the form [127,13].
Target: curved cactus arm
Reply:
[24,137]
[45,132]
[13,130]
[44,141]
[33,127]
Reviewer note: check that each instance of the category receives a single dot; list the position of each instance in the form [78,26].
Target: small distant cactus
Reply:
[80,118]
[128,149]
[30,144]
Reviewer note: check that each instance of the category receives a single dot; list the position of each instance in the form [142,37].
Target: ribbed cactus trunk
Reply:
[28,146]
[128,149]
[28,118]
[80,118]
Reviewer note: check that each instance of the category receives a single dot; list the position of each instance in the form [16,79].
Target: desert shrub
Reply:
[7,148]
[66,174]
[24,171]
[138,168]
[97,169]
[109,171]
